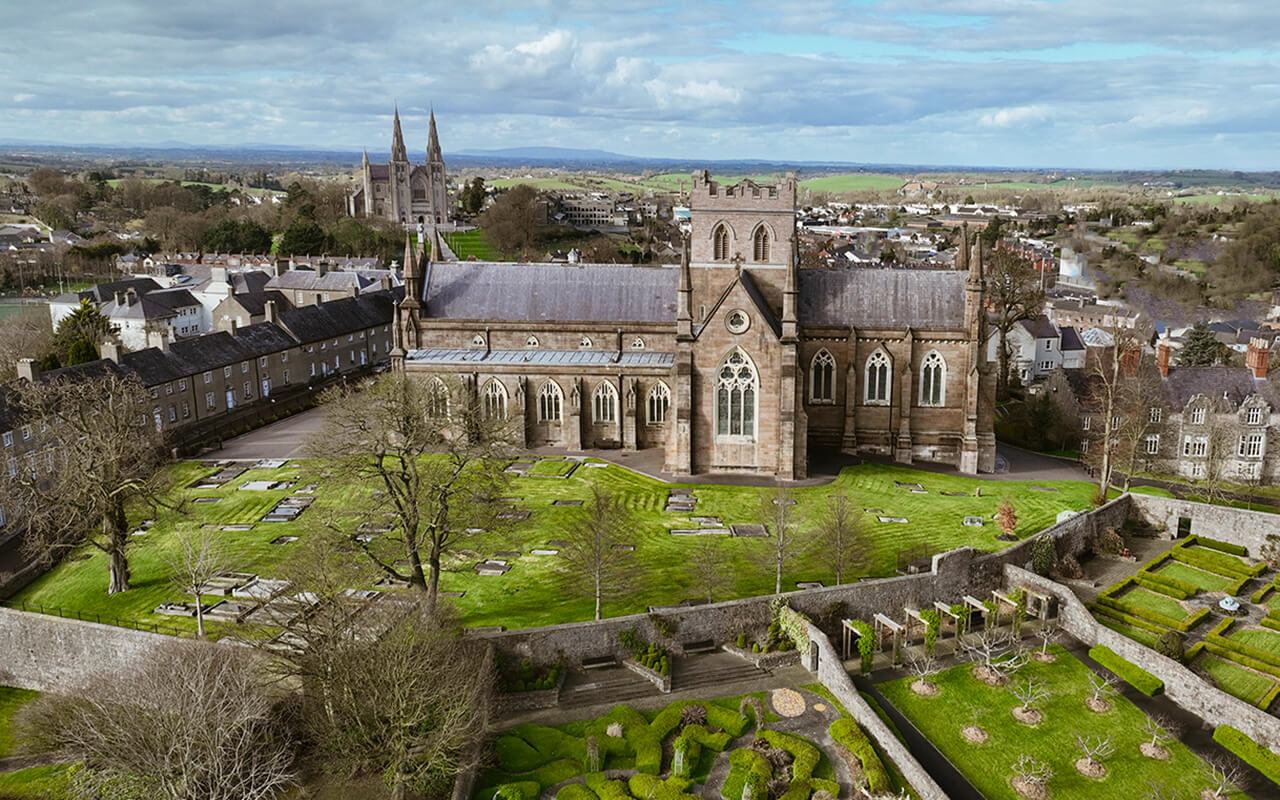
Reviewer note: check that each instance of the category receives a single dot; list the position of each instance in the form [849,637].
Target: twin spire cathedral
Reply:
[411,194]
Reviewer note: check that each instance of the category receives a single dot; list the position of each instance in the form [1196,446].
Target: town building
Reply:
[411,194]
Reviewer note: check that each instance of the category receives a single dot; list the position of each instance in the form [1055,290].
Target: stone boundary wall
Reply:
[1181,685]
[832,674]
[1233,525]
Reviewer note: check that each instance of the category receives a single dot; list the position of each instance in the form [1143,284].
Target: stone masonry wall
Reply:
[1237,526]
[1181,685]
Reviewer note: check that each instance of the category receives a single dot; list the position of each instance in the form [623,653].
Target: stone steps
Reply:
[693,676]
[612,689]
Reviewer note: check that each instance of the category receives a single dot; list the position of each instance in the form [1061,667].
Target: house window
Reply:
[1045,366]
[186,409]
[736,390]
[1253,416]
[1086,422]
[737,321]
[266,387]
[495,400]
[286,377]
[1115,422]
[226,372]
[1153,444]
[244,367]
[878,374]
[760,244]
[313,369]
[1048,345]
[477,341]
[231,399]
[549,401]
[173,413]
[1197,416]
[1249,470]
[8,438]
[284,357]
[822,377]
[26,432]
[182,385]
[168,388]
[720,243]
[604,403]
[437,405]
[13,466]
[933,379]
[248,390]
[1154,414]
[1250,445]
[208,401]
[1084,445]
[1194,445]
[262,362]
[658,402]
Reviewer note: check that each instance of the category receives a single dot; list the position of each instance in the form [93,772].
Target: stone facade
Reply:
[411,194]
[736,361]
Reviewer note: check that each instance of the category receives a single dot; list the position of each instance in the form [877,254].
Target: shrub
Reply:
[742,640]
[606,789]
[849,736]
[1252,753]
[1044,557]
[866,643]
[1170,644]
[575,791]
[932,624]
[1108,541]
[806,755]
[1136,677]
[521,790]
[516,755]
[755,647]
[1070,568]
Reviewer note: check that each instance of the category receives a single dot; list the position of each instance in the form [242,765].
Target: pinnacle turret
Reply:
[434,155]
[398,151]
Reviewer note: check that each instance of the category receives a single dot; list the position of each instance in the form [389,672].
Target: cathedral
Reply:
[412,194]
[736,360]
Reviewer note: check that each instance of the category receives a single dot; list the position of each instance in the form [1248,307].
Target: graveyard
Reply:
[513,578]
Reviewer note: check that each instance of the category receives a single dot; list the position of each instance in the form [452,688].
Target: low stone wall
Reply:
[1234,525]
[824,659]
[783,658]
[1181,685]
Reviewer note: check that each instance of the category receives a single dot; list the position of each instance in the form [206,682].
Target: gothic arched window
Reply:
[933,380]
[720,243]
[760,244]
[736,390]
[550,399]
[822,378]
[604,403]
[437,405]
[659,402]
[879,373]
[495,400]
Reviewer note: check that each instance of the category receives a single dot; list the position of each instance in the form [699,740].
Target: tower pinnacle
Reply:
[434,155]
[398,152]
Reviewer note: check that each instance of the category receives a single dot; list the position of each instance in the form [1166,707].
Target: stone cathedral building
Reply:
[734,361]
[411,194]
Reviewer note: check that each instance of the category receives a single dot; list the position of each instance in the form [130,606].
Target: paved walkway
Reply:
[283,439]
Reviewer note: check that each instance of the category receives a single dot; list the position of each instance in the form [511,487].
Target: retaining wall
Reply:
[1181,685]
[1234,525]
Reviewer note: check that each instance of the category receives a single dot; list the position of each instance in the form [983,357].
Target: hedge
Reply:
[606,789]
[1214,562]
[1252,753]
[516,755]
[1237,653]
[575,791]
[1163,585]
[1154,616]
[847,734]
[717,717]
[1135,676]
[712,741]
[1215,544]
[1127,619]
[1270,622]
[1260,595]
[806,755]
[648,786]
[518,790]
[745,766]
[1191,652]
[1116,588]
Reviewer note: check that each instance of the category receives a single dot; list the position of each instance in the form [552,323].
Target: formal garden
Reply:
[1189,604]
[786,743]
[262,513]
[1050,728]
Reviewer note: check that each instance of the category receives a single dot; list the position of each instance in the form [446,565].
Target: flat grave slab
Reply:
[261,589]
[784,502]
[492,568]
[507,554]
[873,510]
[808,584]
[558,543]
[270,463]
[680,508]
[366,537]
[310,488]
[513,515]
[388,582]
[239,526]
[1042,488]
[594,464]
[375,527]
[749,531]
[907,485]
[230,610]
[699,531]
[893,519]
[713,521]
[544,551]
[566,502]
[954,494]
[519,467]
[219,478]
[362,594]
[919,491]
[282,540]
[175,609]
[624,548]
[260,486]
[475,530]
[206,500]
[972,522]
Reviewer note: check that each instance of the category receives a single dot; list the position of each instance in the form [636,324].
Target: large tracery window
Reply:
[720,243]
[933,380]
[822,378]
[604,403]
[736,390]
[549,401]
[760,244]
[437,399]
[659,402]
[495,400]
[879,373]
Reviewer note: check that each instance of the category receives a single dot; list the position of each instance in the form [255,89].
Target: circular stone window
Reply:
[737,321]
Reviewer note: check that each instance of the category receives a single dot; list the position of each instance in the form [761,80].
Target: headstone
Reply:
[513,515]
[954,494]
[238,527]
[919,491]
[624,548]
[543,551]
[749,531]
[284,540]
[207,500]
[893,519]
[699,531]
[808,584]
[257,486]
[973,522]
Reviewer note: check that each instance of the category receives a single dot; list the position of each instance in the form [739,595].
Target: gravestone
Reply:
[893,519]
[699,531]
[513,515]
[492,568]
[954,494]
[624,548]
[543,551]
[973,522]
[749,531]
[507,554]
[566,502]
[284,540]
[241,527]
[207,500]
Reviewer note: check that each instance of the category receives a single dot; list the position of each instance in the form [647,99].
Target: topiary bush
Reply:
[1044,557]
[848,735]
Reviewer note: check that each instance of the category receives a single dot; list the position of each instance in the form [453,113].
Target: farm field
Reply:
[853,182]
[534,591]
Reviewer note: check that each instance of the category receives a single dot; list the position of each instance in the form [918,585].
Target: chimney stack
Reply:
[131,295]
[1257,356]
[269,311]
[322,268]
[158,339]
[119,298]
[235,326]
[110,349]
[27,369]
[1129,361]
[1163,350]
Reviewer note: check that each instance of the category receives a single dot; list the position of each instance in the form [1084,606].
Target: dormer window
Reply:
[585,342]
[1253,416]
[532,341]
[1197,416]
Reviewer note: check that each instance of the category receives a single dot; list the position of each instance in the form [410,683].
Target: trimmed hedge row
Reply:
[1170,587]
[745,766]
[1155,616]
[1135,676]
[1222,564]
[1252,753]
[1215,544]
[1237,654]
[717,717]
[1260,596]
[1270,622]
[848,735]
[1127,619]
[649,786]
[806,755]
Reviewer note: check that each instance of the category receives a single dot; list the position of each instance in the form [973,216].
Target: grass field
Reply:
[1206,581]
[853,182]
[1224,199]
[465,244]
[964,700]
[532,593]
[37,783]
[1261,638]
[1154,601]
[10,701]
[537,183]
[1234,679]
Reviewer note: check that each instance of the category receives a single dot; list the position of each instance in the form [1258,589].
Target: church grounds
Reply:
[530,594]
[963,700]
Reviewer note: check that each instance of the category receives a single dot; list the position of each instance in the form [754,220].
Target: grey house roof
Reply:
[152,305]
[888,298]
[1040,327]
[1233,384]
[1071,339]
[550,292]
[338,317]
[577,358]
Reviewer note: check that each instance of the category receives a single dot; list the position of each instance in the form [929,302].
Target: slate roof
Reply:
[152,305]
[577,358]
[254,280]
[1040,328]
[753,291]
[889,298]
[379,172]
[1233,384]
[255,303]
[550,292]
[309,281]
[348,315]
[105,292]
[154,367]
[1071,339]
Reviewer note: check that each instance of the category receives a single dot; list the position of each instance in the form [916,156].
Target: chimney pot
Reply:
[27,369]
[1256,358]
[1162,357]
[269,311]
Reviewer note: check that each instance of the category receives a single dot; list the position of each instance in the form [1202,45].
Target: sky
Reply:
[1103,84]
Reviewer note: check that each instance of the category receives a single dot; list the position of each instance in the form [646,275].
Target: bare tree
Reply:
[1101,687]
[101,452]
[1220,447]
[1112,377]
[188,723]
[1095,748]
[1161,729]
[201,557]
[1142,391]
[706,564]
[841,536]
[1031,693]
[435,454]
[1227,775]
[26,334]
[996,653]
[1047,634]
[1033,773]
[595,560]
[781,519]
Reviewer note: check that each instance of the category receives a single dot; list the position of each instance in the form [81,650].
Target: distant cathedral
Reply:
[411,194]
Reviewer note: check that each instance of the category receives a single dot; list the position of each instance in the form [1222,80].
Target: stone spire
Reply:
[962,253]
[684,296]
[434,155]
[398,152]
[412,278]
[364,159]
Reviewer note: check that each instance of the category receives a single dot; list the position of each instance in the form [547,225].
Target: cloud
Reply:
[1020,116]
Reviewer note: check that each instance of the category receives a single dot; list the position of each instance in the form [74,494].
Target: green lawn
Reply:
[10,701]
[1261,638]
[531,593]
[853,182]
[1206,581]
[987,766]
[37,783]
[537,183]
[551,466]
[1234,679]
[471,243]
[1138,635]
[1154,601]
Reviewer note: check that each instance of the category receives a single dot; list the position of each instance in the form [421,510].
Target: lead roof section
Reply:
[882,298]
[577,358]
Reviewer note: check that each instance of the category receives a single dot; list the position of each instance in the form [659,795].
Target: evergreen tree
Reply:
[304,238]
[79,333]
[1043,555]
[1200,348]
